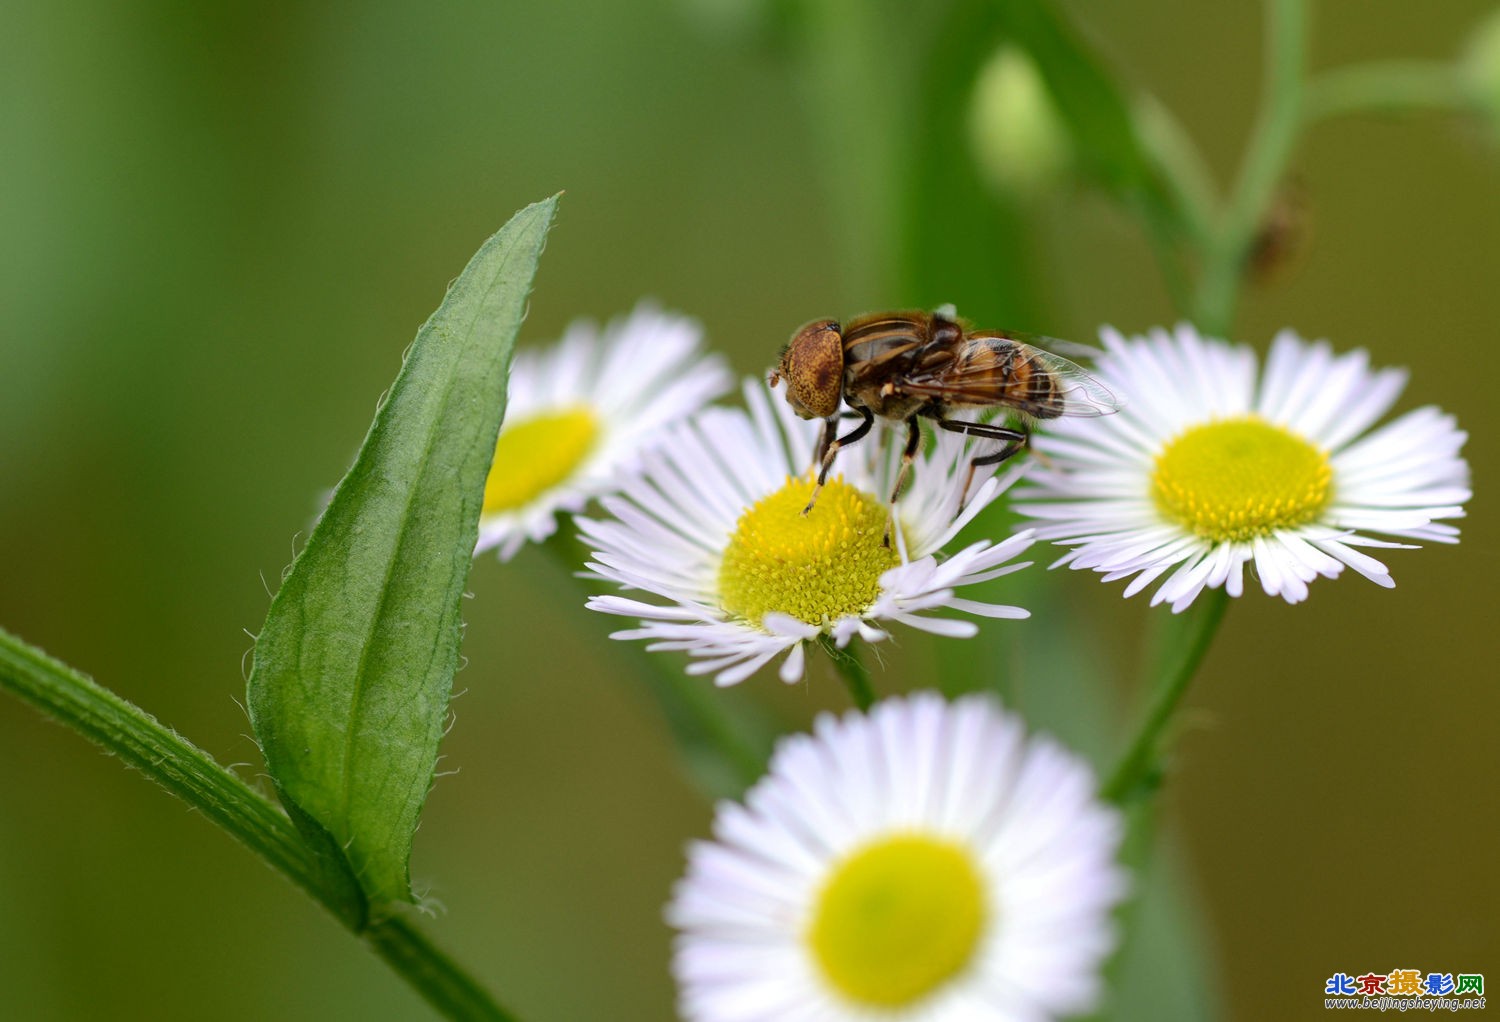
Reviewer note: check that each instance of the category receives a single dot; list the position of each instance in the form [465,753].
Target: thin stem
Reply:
[1181,216]
[1161,235]
[1387,87]
[1136,772]
[143,742]
[856,676]
[431,972]
[1135,855]
[1184,171]
[1265,161]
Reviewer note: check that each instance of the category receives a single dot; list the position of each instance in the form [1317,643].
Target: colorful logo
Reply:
[1405,990]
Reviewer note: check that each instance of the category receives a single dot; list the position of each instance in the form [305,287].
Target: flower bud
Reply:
[1019,139]
[1479,70]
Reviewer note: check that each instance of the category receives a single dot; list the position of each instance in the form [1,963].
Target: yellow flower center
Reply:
[816,567]
[536,454]
[1233,480]
[897,919]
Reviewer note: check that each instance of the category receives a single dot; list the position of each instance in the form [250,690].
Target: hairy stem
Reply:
[143,742]
[856,676]
[1265,162]
[440,981]
[1136,773]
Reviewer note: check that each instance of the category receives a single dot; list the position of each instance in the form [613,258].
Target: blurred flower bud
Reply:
[1019,139]
[1479,70]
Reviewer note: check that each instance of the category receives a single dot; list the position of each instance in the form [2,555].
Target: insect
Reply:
[902,366]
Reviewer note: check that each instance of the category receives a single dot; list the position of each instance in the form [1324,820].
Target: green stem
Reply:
[1265,161]
[856,676]
[1138,768]
[1184,172]
[1135,855]
[1183,217]
[1387,87]
[441,982]
[143,742]
[1162,236]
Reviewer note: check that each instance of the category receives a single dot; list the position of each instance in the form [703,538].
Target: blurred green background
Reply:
[221,224]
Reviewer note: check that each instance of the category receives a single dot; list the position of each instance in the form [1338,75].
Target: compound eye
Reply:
[813,365]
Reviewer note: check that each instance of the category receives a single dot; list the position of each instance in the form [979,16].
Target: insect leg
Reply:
[857,433]
[825,438]
[1015,441]
[913,440]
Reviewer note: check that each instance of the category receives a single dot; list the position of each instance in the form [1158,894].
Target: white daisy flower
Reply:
[1214,464]
[926,862]
[715,526]
[580,412]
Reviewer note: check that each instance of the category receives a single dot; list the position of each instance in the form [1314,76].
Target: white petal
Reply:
[1094,493]
[963,774]
[641,374]
[667,531]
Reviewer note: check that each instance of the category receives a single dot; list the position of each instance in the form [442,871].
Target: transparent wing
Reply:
[1002,368]
[1082,394]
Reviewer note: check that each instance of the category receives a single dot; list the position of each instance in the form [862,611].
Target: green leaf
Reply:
[1094,108]
[141,741]
[959,243]
[354,668]
[1098,113]
[1112,146]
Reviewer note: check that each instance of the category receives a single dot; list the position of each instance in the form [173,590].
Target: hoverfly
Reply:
[905,365]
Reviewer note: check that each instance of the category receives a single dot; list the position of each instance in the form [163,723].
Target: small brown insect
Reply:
[1281,239]
[905,365]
